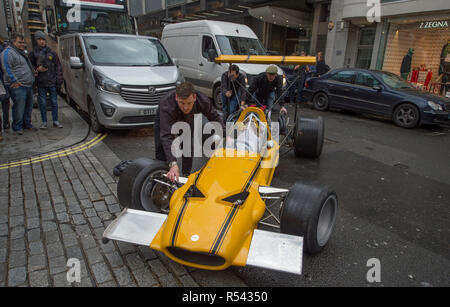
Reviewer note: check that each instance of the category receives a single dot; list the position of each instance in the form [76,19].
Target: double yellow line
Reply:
[61,153]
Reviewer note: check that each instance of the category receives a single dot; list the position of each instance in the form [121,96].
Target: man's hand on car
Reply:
[174,173]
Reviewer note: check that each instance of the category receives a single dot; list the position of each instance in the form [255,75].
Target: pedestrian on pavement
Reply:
[233,90]
[18,76]
[4,99]
[180,105]
[321,67]
[267,88]
[49,77]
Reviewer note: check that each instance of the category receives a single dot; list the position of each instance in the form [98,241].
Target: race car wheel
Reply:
[138,190]
[309,136]
[310,212]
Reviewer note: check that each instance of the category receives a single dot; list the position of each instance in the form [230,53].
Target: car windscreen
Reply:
[126,51]
[392,80]
[234,45]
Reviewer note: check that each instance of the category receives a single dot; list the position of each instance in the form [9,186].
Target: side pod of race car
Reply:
[210,219]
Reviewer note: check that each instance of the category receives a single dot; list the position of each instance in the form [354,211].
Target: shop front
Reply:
[428,67]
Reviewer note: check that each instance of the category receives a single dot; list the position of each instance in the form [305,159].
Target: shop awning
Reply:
[282,17]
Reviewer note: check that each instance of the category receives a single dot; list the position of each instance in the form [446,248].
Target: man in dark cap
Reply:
[49,77]
[267,88]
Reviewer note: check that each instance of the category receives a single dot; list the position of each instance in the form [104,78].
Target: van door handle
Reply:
[201,64]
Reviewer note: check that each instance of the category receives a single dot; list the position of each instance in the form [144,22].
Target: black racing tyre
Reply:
[136,189]
[95,124]
[406,115]
[218,98]
[321,101]
[309,137]
[310,212]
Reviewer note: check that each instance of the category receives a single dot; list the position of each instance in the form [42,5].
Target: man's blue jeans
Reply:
[229,105]
[42,91]
[22,106]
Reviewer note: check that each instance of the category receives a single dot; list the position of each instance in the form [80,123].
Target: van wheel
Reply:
[218,98]
[95,125]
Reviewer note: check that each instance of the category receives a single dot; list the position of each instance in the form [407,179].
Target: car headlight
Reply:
[435,106]
[180,79]
[105,84]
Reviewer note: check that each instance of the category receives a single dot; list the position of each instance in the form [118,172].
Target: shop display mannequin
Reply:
[406,64]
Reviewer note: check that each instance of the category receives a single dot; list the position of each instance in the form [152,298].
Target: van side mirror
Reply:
[212,55]
[75,62]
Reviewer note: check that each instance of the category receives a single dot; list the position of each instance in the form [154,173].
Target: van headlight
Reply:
[284,80]
[435,106]
[105,84]
[180,79]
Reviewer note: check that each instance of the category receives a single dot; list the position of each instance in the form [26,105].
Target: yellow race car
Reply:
[210,219]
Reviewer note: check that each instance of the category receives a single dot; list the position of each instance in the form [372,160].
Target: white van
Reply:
[194,44]
[118,79]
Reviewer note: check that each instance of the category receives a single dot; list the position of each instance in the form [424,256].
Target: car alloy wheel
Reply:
[406,116]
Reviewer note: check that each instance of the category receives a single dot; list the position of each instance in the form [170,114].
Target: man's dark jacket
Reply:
[49,59]
[170,113]
[261,87]
[236,85]
[321,68]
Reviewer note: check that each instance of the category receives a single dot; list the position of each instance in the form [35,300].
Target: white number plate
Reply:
[147,111]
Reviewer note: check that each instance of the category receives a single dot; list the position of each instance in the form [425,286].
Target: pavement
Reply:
[57,196]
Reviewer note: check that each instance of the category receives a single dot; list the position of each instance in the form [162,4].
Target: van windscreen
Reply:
[235,45]
[126,51]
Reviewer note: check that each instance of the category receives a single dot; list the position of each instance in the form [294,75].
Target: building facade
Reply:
[403,24]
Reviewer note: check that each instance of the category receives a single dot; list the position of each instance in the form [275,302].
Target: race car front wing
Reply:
[268,250]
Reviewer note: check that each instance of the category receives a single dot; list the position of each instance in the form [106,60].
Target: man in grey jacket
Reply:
[18,76]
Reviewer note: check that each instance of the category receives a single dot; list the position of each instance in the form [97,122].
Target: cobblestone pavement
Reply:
[57,209]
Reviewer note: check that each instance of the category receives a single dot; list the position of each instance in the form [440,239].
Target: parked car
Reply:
[379,93]
[117,79]
[195,44]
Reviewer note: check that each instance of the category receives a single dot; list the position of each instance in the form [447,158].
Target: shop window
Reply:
[345,76]
[366,79]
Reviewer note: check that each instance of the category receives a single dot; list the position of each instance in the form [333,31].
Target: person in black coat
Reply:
[406,64]
[321,67]
[5,101]
[49,77]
